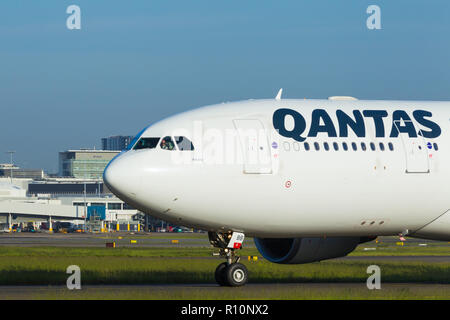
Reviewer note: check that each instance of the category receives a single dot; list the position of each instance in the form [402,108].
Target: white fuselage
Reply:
[247,174]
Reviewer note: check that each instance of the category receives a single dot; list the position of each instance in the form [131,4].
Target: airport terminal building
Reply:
[9,170]
[77,193]
[117,143]
[46,202]
[84,163]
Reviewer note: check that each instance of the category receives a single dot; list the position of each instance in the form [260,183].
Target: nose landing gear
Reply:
[229,273]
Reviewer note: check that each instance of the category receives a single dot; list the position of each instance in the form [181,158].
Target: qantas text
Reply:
[321,122]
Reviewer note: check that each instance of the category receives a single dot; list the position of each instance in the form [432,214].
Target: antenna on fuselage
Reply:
[278,97]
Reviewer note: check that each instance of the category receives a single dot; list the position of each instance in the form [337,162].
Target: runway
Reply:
[208,290]
[43,251]
[186,240]
[144,239]
[99,240]
[397,258]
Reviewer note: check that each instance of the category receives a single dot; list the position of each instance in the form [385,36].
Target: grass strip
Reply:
[40,270]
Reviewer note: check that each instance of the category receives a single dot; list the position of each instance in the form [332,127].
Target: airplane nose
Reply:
[121,178]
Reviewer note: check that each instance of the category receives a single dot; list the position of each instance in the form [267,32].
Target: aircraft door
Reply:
[254,145]
[415,151]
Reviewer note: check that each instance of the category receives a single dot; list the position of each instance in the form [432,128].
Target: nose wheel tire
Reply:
[220,275]
[230,273]
[233,275]
[237,274]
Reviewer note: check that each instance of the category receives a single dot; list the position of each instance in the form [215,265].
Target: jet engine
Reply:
[305,250]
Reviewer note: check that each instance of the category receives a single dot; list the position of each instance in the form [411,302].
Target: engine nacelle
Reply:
[305,250]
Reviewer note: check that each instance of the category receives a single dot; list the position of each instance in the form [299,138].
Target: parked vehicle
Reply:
[29,229]
[44,226]
[64,227]
[78,228]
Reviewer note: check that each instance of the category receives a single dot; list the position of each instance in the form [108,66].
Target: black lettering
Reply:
[399,117]
[278,119]
[316,127]
[435,132]
[356,125]
[377,116]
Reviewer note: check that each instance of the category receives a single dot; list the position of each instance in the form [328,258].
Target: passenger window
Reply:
[146,143]
[184,144]
[363,146]
[372,146]
[336,146]
[344,145]
[435,146]
[391,146]
[326,146]
[167,143]
[306,146]
[354,146]
[316,146]
[381,146]
[296,146]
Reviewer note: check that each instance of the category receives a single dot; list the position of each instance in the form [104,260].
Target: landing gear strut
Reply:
[229,273]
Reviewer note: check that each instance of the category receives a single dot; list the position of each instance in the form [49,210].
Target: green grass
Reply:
[110,252]
[46,266]
[180,265]
[162,236]
[407,249]
[177,251]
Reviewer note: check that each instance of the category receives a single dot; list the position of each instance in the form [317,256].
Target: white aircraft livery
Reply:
[308,179]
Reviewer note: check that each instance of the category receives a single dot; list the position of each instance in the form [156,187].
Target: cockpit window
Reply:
[184,143]
[146,143]
[136,138]
[167,143]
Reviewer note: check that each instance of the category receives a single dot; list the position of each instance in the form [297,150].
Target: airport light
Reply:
[9,216]
[85,207]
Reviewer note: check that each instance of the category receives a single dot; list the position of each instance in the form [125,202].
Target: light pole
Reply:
[9,216]
[85,204]
[85,207]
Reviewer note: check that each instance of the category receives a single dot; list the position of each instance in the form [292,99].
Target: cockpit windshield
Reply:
[136,138]
[184,143]
[167,143]
[146,143]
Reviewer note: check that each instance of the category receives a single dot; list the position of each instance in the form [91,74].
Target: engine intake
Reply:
[305,250]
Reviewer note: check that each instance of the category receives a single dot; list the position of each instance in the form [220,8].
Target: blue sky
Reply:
[135,62]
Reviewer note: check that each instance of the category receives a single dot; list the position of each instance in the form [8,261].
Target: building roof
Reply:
[8,166]
[10,190]
[8,186]
[92,151]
